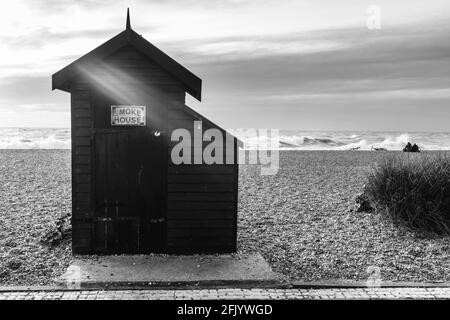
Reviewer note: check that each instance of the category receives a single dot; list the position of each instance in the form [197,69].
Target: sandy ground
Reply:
[301,220]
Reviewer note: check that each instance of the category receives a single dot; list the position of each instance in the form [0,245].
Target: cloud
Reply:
[58,5]
[44,36]
[250,54]
[344,63]
[403,58]
[247,48]
[426,94]
[31,94]
[42,107]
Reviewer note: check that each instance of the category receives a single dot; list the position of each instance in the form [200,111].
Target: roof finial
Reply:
[128,19]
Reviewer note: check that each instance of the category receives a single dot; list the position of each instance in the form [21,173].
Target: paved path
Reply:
[213,294]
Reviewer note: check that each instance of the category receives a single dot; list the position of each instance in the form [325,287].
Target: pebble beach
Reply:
[302,220]
[35,191]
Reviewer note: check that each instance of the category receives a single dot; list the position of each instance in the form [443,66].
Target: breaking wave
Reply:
[34,138]
[296,140]
[44,138]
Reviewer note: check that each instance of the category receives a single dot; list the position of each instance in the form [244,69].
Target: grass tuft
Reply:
[412,190]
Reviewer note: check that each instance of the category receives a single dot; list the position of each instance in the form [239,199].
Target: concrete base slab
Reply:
[167,270]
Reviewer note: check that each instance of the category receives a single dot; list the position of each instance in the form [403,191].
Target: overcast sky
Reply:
[290,64]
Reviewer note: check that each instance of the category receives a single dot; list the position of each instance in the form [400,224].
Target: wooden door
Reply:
[117,223]
[130,201]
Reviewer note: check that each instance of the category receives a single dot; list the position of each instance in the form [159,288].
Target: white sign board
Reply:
[128,115]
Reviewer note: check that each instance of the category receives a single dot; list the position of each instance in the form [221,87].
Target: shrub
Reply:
[413,190]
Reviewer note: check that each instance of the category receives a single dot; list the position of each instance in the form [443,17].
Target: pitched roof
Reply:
[129,37]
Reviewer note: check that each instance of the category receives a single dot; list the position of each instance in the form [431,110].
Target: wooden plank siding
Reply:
[202,198]
[81,116]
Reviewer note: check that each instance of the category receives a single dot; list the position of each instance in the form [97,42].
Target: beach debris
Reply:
[57,232]
[408,147]
[411,148]
[363,203]
[378,149]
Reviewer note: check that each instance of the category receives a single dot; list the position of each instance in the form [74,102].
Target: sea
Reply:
[59,138]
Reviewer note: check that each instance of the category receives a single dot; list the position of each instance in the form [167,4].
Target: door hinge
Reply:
[159,220]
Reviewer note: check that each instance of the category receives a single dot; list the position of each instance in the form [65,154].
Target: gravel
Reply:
[35,193]
[302,220]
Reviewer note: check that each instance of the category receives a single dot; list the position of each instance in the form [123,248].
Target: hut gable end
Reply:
[135,67]
[144,52]
[128,70]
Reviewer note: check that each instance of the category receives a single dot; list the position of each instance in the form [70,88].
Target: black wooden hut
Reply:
[128,195]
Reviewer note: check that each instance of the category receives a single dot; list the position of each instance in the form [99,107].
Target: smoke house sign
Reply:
[128,115]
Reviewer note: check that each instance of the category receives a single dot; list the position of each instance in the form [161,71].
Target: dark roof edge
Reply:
[191,81]
[62,76]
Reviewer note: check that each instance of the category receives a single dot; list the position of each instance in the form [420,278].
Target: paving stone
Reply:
[235,293]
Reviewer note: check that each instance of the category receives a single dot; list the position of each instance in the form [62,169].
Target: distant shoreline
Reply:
[56,138]
[280,150]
